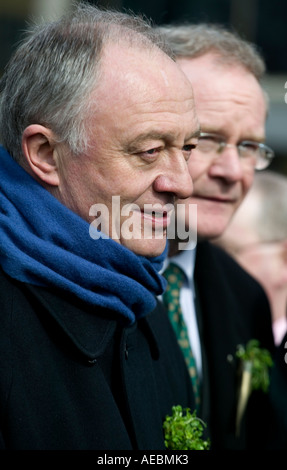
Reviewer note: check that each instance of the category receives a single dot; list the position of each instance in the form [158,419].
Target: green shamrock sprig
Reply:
[260,360]
[184,431]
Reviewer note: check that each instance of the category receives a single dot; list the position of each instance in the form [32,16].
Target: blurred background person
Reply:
[257,239]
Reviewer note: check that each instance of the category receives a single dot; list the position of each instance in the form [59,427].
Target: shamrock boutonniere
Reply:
[183,430]
[255,363]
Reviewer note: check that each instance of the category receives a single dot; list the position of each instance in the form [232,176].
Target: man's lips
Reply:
[217,199]
[161,218]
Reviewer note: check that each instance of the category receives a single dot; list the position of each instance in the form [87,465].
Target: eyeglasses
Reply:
[256,153]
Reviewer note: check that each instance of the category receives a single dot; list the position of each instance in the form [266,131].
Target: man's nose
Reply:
[175,179]
[227,164]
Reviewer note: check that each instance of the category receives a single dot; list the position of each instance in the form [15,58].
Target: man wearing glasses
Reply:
[222,306]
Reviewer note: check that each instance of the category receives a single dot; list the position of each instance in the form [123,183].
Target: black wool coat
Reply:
[232,309]
[73,376]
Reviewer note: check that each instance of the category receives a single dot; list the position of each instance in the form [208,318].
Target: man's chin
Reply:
[209,231]
[143,247]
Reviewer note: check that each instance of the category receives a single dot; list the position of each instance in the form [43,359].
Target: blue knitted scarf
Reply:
[44,243]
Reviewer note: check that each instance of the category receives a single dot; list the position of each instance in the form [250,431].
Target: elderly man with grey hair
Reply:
[221,306]
[94,115]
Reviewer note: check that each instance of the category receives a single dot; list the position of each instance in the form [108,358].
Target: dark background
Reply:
[263,22]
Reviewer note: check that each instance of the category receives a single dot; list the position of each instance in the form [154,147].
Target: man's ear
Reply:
[38,147]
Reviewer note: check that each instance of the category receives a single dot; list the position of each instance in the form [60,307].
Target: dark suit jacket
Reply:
[232,310]
[73,376]
[278,394]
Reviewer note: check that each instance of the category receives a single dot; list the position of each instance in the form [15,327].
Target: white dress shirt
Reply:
[185,259]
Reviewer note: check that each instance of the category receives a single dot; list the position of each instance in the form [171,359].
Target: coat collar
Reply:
[90,328]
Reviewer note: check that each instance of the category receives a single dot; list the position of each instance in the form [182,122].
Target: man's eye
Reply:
[253,146]
[187,150]
[189,147]
[208,142]
[150,153]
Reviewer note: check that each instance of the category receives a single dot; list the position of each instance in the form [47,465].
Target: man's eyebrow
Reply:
[154,135]
[254,138]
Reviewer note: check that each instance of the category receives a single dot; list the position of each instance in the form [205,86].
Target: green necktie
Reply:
[171,298]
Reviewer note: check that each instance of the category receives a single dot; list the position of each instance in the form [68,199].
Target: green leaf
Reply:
[184,431]
[261,361]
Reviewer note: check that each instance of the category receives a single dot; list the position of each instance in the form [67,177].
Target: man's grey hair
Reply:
[195,40]
[50,77]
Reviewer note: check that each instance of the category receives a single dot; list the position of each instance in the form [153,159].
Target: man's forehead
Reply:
[165,77]
[121,56]
[138,76]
